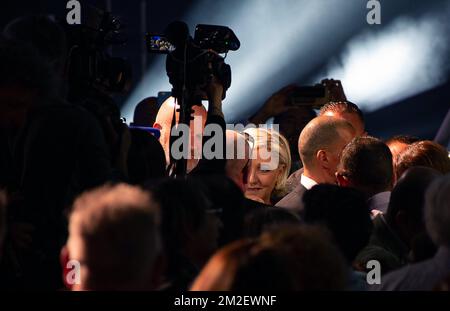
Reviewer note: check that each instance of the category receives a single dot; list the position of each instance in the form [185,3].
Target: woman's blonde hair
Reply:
[274,142]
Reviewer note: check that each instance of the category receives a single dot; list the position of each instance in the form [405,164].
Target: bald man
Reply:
[164,124]
[319,145]
[344,110]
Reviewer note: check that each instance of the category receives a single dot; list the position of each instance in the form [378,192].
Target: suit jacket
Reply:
[423,276]
[294,200]
[294,180]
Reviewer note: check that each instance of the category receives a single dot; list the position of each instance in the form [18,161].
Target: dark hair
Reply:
[408,194]
[344,212]
[423,153]
[145,112]
[405,139]
[43,34]
[183,208]
[342,106]
[260,220]
[21,66]
[225,196]
[367,161]
[146,158]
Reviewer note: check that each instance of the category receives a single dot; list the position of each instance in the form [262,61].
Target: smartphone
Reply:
[158,44]
[313,96]
[309,91]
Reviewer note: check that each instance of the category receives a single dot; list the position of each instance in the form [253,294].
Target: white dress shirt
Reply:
[307,182]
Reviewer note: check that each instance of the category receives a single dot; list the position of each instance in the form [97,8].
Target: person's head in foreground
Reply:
[437,211]
[269,166]
[190,228]
[285,258]
[406,206]
[366,165]
[26,82]
[344,211]
[113,239]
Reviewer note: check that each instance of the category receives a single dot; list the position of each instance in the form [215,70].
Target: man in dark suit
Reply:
[320,145]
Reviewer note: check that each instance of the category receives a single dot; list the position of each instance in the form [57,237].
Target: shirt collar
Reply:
[307,182]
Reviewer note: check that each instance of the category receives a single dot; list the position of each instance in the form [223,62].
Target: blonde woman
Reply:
[269,166]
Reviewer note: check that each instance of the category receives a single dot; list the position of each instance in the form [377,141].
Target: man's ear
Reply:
[322,157]
[342,180]
[64,258]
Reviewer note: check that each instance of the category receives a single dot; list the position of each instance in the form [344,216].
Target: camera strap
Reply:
[171,168]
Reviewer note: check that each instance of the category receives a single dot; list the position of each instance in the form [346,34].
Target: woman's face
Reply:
[262,178]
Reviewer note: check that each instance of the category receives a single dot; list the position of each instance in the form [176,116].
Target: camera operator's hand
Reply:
[276,104]
[214,91]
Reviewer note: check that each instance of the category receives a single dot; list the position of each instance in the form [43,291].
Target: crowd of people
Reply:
[87,203]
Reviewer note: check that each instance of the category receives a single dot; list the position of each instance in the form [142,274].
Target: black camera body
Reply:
[191,62]
[94,76]
[202,65]
[89,65]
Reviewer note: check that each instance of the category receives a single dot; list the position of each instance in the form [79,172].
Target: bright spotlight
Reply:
[406,58]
